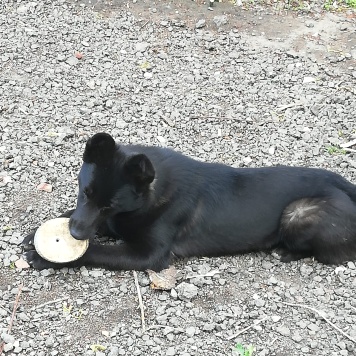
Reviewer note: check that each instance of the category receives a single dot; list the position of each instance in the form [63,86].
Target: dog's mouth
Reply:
[81,230]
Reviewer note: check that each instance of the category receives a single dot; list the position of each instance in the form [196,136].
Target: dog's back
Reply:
[217,209]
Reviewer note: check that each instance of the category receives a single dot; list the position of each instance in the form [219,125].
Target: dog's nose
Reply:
[77,230]
[78,234]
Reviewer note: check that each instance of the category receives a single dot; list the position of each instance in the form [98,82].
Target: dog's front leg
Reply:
[118,257]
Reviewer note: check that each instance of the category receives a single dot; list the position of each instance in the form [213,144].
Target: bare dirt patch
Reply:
[320,35]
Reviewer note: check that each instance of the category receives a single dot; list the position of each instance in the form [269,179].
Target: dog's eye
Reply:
[104,210]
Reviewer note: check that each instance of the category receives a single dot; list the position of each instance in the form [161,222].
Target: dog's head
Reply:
[110,182]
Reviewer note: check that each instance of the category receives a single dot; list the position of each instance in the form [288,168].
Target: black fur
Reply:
[163,204]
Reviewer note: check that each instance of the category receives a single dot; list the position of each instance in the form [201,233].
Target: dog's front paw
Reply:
[27,243]
[37,262]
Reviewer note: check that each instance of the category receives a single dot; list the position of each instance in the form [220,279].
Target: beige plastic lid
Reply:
[54,242]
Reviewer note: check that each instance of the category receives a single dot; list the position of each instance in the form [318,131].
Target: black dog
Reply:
[165,205]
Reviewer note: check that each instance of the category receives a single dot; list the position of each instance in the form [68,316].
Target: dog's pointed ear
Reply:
[99,149]
[140,168]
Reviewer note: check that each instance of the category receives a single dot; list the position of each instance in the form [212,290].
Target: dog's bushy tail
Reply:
[324,227]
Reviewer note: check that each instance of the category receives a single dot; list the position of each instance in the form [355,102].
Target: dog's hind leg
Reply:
[321,227]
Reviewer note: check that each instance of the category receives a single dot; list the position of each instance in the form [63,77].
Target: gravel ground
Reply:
[248,87]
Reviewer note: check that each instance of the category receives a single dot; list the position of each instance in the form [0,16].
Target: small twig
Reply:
[158,326]
[16,305]
[140,302]
[348,89]
[273,341]
[168,121]
[349,150]
[348,144]
[50,302]
[321,314]
[144,25]
[284,107]
[243,330]
[209,117]
[208,274]
[6,310]
[334,50]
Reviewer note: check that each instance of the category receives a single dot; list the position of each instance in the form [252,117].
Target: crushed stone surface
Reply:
[248,87]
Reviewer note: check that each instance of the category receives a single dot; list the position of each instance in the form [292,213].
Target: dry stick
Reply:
[208,274]
[158,326]
[348,144]
[4,309]
[140,302]
[349,149]
[209,117]
[243,330]
[349,90]
[16,305]
[144,25]
[288,106]
[326,319]
[50,302]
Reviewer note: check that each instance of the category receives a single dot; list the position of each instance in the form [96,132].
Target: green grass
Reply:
[351,3]
[98,347]
[332,150]
[244,351]
[339,4]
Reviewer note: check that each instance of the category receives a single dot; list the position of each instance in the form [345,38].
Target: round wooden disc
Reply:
[54,242]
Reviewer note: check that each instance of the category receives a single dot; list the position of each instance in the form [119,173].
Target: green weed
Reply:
[67,308]
[98,347]
[332,150]
[351,3]
[339,5]
[244,351]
